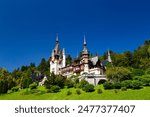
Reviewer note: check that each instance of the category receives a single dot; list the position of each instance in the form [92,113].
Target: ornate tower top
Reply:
[57,48]
[85,50]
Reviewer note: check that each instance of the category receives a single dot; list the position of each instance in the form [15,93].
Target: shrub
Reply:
[148,71]
[117,85]
[69,83]
[116,90]
[146,76]
[60,81]
[108,85]
[136,78]
[54,89]
[145,81]
[99,91]
[69,93]
[101,82]
[78,92]
[127,83]
[124,88]
[15,89]
[136,84]
[137,72]
[76,80]
[33,85]
[25,82]
[47,85]
[88,88]
[76,85]
[83,83]
[55,80]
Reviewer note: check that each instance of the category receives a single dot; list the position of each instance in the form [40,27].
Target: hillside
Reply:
[141,94]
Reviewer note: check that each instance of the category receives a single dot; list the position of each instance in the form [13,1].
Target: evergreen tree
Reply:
[68,59]
[43,66]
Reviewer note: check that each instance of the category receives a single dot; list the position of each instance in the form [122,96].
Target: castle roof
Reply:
[94,60]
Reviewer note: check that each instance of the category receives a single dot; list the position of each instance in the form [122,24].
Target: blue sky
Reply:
[28,27]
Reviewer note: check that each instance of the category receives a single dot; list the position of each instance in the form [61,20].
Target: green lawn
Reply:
[25,94]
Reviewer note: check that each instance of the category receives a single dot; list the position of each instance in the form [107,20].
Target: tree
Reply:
[55,80]
[68,59]
[3,73]
[25,82]
[3,86]
[6,81]
[43,66]
[118,74]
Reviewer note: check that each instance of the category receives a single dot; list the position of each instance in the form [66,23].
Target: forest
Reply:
[128,70]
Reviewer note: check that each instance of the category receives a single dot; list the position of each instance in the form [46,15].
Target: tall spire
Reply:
[84,41]
[57,38]
[109,58]
[85,48]
[57,49]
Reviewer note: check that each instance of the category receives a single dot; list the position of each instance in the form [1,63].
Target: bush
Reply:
[117,85]
[78,92]
[101,82]
[124,88]
[60,81]
[33,85]
[116,90]
[54,89]
[88,88]
[145,81]
[136,84]
[127,83]
[69,93]
[76,80]
[137,78]
[137,72]
[148,71]
[146,76]
[25,82]
[99,91]
[69,83]
[83,83]
[108,85]
[15,89]
[55,80]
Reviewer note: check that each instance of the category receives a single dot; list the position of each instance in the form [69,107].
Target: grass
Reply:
[40,94]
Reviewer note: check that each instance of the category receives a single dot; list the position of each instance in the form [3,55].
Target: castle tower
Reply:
[85,56]
[55,60]
[109,58]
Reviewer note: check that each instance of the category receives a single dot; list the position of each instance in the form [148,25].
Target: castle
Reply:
[90,69]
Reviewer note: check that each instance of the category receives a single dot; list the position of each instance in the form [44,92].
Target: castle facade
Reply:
[85,66]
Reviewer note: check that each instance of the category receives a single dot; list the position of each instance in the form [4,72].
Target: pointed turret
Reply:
[57,49]
[85,56]
[109,57]
[85,51]
[57,38]
[56,58]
